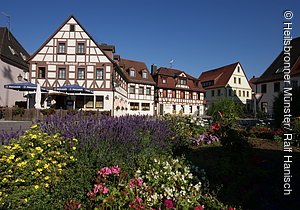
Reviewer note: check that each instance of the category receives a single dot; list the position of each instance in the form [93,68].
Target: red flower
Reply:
[135,182]
[230,208]
[215,127]
[199,207]
[136,204]
[169,204]
[105,171]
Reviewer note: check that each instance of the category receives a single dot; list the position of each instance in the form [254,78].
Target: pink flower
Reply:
[100,188]
[136,204]
[230,208]
[199,207]
[135,182]
[91,194]
[169,204]
[115,170]
[105,171]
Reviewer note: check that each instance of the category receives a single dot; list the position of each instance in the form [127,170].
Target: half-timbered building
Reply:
[140,92]
[71,56]
[177,92]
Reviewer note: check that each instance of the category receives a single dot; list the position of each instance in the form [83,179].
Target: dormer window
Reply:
[23,56]
[207,83]
[182,81]
[144,75]
[164,80]
[132,73]
[12,50]
[279,70]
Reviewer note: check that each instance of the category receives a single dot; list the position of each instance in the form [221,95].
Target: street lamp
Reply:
[20,77]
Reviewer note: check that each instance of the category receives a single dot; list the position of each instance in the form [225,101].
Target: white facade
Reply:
[10,75]
[71,56]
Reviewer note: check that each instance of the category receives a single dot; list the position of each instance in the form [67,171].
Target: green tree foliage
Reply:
[226,111]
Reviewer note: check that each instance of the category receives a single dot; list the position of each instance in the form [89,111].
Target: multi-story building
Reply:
[271,82]
[71,56]
[177,92]
[13,68]
[140,97]
[228,81]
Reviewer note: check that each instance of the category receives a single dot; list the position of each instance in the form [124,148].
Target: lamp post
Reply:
[254,103]
[19,77]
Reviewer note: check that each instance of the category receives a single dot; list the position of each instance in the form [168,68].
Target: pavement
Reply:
[14,125]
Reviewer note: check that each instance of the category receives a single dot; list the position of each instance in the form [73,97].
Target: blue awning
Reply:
[25,86]
[73,89]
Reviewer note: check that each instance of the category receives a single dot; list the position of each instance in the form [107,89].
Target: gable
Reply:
[71,33]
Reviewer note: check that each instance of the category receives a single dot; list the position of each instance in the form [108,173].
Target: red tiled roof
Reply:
[139,67]
[171,75]
[220,76]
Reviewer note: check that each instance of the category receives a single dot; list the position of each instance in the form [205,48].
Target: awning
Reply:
[25,86]
[73,89]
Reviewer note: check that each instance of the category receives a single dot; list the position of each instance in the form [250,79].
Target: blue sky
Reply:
[197,35]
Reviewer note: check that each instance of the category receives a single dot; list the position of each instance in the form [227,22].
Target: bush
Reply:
[159,183]
[31,168]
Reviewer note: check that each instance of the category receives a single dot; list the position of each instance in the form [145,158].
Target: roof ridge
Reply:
[232,64]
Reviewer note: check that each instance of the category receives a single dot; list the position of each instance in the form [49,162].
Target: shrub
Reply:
[164,184]
[18,111]
[7,136]
[31,167]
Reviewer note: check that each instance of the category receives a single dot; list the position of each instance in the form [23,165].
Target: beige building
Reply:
[228,81]
[13,68]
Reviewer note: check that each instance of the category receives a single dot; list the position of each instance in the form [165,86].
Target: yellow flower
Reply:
[75,140]
[59,165]
[46,185]
[55,136]
[34,126]
[4,180]
[46,166]
[22,164]
[47,178]
[39,170]
[49,145]
[73,148]
[11,157]
[31,144]
[32,155]
[33,136]
[39,149]
[72,158]
[36,187]
[25,200]
[7,147]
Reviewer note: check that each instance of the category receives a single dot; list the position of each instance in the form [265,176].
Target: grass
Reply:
[253,180]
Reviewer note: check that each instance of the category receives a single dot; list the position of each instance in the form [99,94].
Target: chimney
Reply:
[153,69]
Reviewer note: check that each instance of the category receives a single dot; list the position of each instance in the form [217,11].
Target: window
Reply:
[99,102]
[238,69]
[165,93]
[234,92]
[191,109]
[164,80]
[230,92]
[134,106]
[144,75]
[182,108]
[80,48]
[61,47]
[239,80]
[89,101]
[81,73]
[42,73]
[244,93]
[276,86]
[173,93]
[99,73]
[145,106]
[132,89]
[132,73]
[247,93]
[182,95]
[72,27]
[148,91]
[234,80]
[219,92]
[23,56]
[141,90]
[240,93]
[207,83]
[12,50]
[191,95]
[174,108]
[212,93]
[62,73]
[182,81]
[263,88]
